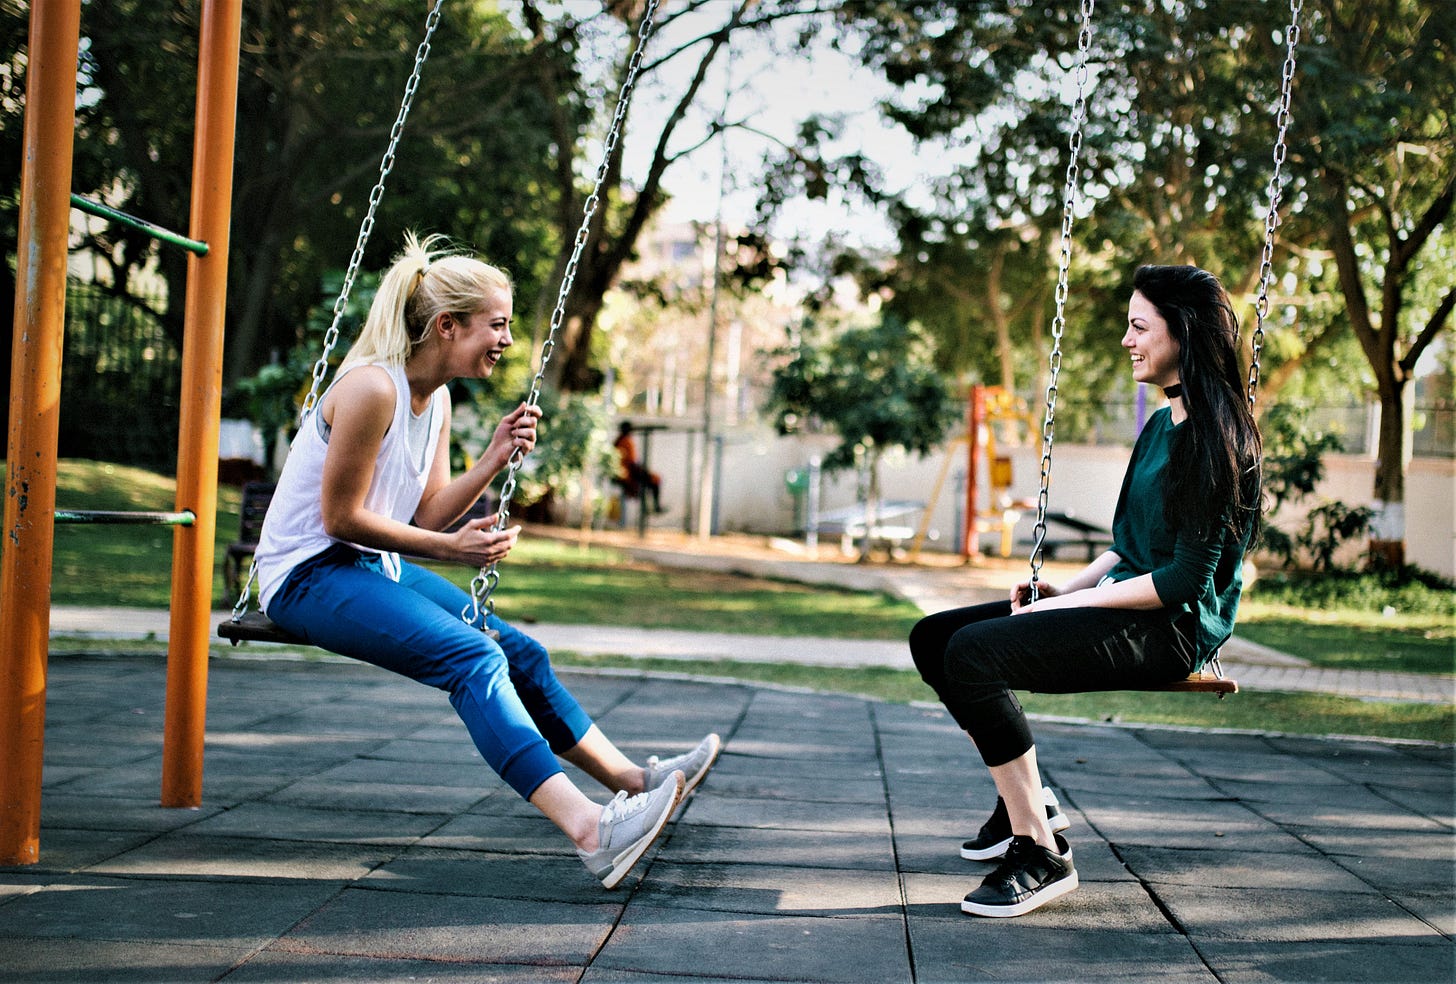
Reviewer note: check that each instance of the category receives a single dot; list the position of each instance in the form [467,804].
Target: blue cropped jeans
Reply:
[518,714]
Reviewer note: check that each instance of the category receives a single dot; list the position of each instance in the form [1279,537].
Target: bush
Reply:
[1293,467]
[1409,590]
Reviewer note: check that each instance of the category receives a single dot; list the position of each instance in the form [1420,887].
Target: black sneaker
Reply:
[995,835]
[1029,877]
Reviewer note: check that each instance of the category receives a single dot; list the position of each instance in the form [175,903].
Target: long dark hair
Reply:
[1213,477]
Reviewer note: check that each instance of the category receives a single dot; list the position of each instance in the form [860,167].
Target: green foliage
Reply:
[272,397]
[1411,590]
[874,386]
[1293,469]
[573,436]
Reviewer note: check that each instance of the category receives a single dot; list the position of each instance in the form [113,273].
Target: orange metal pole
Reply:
[975,416]
[35,393]
[192,547]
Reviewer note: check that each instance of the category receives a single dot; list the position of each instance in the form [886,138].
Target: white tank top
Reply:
[293,530]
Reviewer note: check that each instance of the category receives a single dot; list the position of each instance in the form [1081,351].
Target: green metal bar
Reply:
[99,517]
[141,225]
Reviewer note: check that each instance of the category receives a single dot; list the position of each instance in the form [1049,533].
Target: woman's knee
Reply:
[927,649]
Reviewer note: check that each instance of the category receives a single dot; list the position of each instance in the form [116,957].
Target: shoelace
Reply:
[623,806]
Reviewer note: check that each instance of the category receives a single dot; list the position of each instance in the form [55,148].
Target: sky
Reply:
[772,94]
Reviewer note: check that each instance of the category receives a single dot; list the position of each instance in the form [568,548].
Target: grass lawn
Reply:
[551,581]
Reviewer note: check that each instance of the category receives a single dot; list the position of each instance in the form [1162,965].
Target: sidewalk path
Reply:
[349,833]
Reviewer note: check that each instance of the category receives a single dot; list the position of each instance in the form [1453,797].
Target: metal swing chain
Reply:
[1054,361]
[1271,217]
[366,228]
[483,585]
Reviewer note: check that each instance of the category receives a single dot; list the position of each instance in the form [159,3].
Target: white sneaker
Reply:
[693,765]
[628,826]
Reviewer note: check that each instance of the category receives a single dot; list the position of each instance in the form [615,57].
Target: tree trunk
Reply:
[1387,526]
[872,506]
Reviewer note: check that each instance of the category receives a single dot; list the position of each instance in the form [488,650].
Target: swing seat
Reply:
[1202,683]
[256,627]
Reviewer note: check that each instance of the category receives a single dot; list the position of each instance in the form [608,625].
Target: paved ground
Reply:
[349,833]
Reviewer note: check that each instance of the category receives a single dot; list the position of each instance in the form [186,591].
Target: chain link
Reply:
[1064,263]
[483,585]
[366,228]
[1271,217]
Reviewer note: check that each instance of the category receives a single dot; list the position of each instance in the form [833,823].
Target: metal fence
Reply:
[121,379]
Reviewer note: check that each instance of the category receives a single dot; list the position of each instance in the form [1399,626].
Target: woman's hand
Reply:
[1021,599]
[516,431]
[477,545]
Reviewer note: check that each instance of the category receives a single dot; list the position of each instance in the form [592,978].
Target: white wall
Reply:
[754,497]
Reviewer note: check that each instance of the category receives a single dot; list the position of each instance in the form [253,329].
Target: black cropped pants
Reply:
[973,658]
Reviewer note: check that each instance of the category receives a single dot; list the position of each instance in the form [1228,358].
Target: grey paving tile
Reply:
[1292,916]
[1125,821]
[1398,875]
[596,975]
[456,750]
[54,961]
[544,878]
[767,783]
[187,855]
[858,949]
[277,821]
[74,811]
[274,967]
[67,850]
[710,844]
[194,913]
[529,833]
[733,763]
[469,775]
[1235,869]
[455,928]
[828,817]
[402,795]
[771,890]
[1122,906]
[964,950]
[1329,960]
[15,882]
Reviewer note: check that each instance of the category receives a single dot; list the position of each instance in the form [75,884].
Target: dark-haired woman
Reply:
[1149,611]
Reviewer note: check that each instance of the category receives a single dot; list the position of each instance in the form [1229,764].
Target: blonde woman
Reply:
[368,479]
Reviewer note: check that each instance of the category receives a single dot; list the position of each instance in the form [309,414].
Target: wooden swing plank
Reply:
[1201,683]
[256,627]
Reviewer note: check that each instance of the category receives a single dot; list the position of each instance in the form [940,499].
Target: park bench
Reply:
[892,526]
[1091,537]
[256,497]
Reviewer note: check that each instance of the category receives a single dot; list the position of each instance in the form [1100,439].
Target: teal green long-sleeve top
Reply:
[1192,571]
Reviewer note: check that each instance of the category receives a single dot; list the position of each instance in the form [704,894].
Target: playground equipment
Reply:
[25,573]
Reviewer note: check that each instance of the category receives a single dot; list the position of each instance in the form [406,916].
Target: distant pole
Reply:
[35,398]
[707,492]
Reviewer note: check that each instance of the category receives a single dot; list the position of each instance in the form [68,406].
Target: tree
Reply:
[876,387]
[1376,130]
[319,88]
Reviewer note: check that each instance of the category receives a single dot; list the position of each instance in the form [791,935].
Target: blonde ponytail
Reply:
[427,279]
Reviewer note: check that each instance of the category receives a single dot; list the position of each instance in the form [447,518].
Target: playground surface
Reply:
[350,832]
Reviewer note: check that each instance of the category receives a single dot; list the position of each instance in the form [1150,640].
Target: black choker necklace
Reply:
[1174,391]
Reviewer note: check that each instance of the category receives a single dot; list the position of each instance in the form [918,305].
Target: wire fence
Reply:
[121,380]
